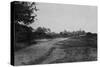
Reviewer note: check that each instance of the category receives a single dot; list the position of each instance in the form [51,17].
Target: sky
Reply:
[60,17]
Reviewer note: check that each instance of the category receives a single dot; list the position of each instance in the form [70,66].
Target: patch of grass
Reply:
[78,49]
[41,59]
[22,45]
[77,54]
[83,41]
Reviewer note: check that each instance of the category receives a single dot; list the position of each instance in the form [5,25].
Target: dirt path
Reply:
[43,52]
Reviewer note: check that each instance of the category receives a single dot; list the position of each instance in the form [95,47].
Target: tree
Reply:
[23,14]
[41,31]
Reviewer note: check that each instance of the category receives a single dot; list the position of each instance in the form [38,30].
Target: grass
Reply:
[83,41]
[77,54]
[78,49]
[41,59]
[22,45]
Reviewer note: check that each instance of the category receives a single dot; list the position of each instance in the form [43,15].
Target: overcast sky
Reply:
[59,17]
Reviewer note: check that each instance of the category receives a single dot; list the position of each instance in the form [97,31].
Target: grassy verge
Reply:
[78,49]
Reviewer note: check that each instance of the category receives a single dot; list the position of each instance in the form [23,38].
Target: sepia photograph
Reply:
[51,33]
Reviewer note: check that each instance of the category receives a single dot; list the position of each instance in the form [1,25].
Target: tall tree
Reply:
[23,15]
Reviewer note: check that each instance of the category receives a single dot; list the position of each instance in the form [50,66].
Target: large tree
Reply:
[23,14]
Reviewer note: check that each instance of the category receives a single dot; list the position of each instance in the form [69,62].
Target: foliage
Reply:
[23,14]
[22,33]
[42,30]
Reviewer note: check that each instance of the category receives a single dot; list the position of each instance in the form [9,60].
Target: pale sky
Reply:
[60,17]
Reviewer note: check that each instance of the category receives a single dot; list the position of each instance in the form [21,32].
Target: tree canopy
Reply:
[23,12]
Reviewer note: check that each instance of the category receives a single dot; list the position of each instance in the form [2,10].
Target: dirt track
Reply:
[42,52]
